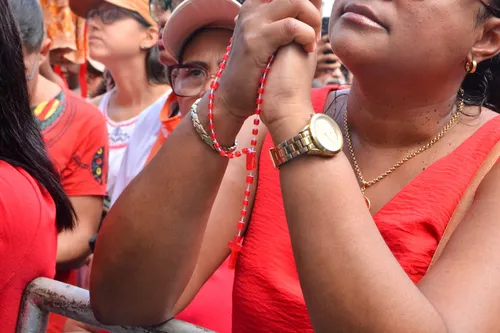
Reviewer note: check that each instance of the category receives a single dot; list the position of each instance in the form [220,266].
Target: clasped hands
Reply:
[291,28]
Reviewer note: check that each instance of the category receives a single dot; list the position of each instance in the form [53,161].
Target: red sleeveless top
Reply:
[267,296]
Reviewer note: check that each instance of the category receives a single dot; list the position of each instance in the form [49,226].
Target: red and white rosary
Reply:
[237,244]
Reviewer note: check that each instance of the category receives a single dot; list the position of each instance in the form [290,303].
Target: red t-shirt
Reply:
[28,239]
[76,138]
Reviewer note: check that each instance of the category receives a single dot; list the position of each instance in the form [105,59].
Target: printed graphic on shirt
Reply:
[50,113]
[118,137]
[98,165]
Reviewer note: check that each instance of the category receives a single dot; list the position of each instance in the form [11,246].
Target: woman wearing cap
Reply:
[397,231]
[196,40]
[197,50]
[123,36]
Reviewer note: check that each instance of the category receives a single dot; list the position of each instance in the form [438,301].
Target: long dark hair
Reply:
[21,143]
[482,88]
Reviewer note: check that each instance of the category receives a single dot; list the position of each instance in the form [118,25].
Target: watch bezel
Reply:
[314,134]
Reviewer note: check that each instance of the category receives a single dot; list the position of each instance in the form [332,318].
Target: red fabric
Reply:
[76,138]
[267,296]
[28,239]
[212,306]
[83,80]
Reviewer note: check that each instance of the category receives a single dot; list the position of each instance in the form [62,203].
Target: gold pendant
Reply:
[368,202]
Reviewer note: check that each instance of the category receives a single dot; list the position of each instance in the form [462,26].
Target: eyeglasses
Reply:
[110,15]
[188,80]
[158,7]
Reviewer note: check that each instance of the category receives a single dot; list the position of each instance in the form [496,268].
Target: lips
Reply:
[94,39]
[365,11]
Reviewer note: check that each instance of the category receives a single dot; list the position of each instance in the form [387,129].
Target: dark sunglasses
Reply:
[158,7]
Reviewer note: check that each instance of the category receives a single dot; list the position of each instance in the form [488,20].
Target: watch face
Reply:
[326,133]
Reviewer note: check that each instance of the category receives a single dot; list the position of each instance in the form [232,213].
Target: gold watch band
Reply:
[300,144]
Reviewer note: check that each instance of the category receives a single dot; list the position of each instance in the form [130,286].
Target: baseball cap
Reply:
[82,7]
[193,15]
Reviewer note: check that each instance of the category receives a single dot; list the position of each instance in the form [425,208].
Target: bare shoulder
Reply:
[466,278]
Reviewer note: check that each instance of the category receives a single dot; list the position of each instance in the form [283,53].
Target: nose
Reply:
[92,23]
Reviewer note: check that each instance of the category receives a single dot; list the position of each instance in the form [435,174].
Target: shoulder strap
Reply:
[466,200]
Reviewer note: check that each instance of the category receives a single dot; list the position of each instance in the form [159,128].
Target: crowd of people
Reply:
[134,139]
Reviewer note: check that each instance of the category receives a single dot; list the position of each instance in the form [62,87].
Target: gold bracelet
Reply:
[203,134]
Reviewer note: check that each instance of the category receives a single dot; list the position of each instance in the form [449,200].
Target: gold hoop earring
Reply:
[470,66]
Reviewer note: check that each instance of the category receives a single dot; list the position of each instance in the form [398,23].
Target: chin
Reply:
[359,50]
[99,53]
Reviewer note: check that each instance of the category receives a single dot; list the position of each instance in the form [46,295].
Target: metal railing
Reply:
[44,296]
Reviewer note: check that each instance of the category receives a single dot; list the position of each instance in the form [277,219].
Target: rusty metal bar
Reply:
[44,296]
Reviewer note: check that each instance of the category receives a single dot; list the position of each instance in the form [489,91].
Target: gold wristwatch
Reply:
[322,136]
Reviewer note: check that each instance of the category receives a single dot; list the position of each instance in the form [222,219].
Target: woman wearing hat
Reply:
[123,36]
[195,39]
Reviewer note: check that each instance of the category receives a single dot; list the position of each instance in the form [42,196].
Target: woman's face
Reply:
[114,34]
[378,39]
[206,49]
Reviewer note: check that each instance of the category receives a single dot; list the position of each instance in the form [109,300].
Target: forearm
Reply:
[73,248]
[150,241]
[350,279]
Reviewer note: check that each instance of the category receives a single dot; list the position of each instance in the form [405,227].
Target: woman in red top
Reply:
[33,206]
[315,255]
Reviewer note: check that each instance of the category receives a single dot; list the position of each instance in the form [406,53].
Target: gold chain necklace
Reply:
[365,184]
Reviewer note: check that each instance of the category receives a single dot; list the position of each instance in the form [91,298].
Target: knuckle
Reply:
[246,34]
[289,27]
